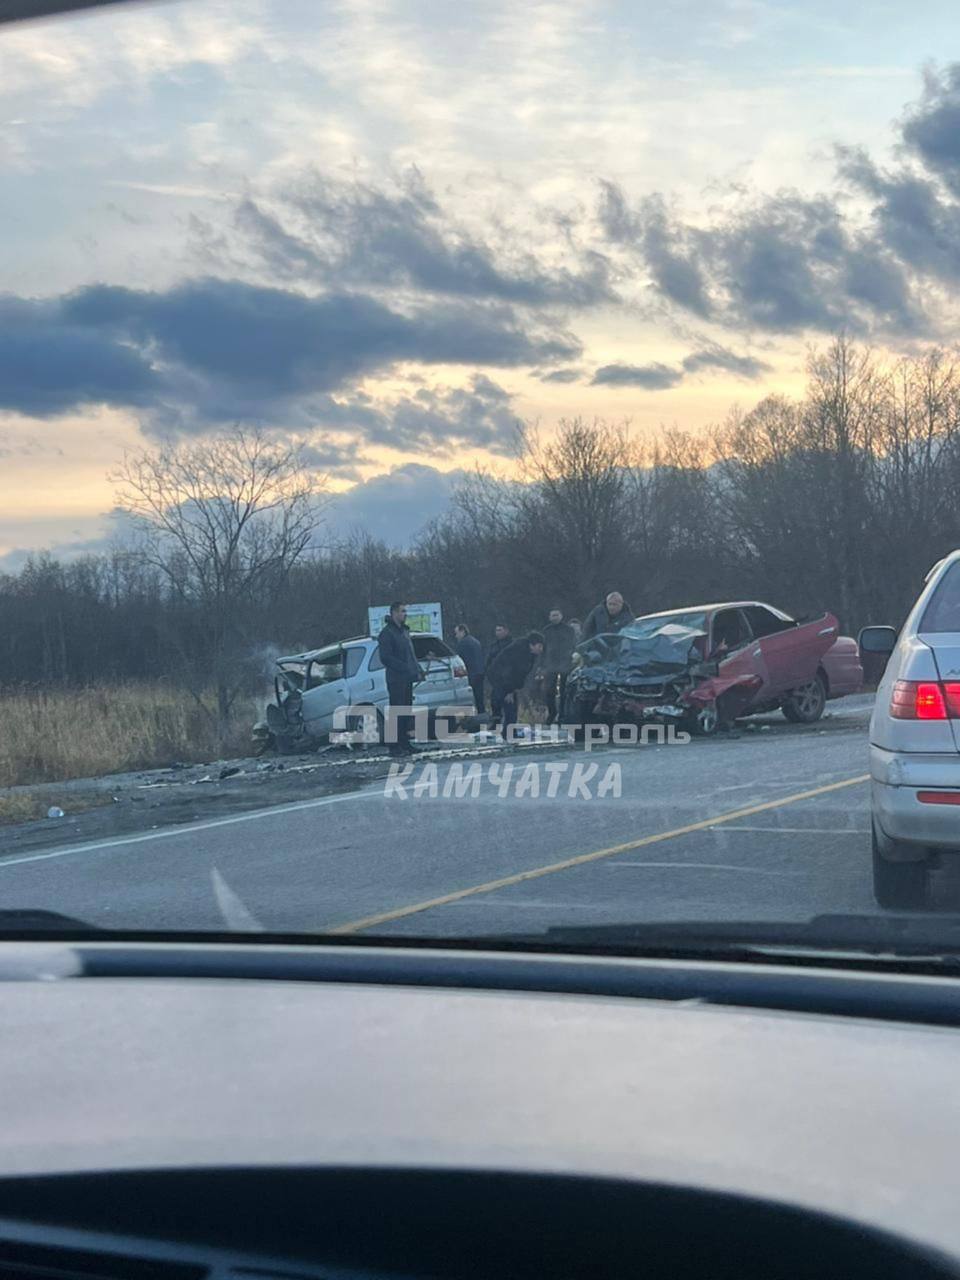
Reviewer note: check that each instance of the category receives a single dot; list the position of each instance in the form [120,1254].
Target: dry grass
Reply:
[53,735]
[20,806]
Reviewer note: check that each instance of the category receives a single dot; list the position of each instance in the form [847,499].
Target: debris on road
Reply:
[55,812]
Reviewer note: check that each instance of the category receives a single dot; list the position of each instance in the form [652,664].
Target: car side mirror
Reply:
[878,640]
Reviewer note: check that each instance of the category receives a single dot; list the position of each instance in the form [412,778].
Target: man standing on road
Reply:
[403,671]
[468,647]
[502,638]
[558,644]
[509,672]
[612,615]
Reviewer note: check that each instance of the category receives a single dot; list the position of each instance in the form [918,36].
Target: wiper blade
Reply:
[916,936]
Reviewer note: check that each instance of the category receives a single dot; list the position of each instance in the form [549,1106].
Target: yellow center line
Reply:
[398,913]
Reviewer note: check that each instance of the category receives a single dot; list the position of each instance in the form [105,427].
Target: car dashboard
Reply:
[327,1112]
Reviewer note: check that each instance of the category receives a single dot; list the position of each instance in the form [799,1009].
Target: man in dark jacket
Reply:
[502,638]
[468,647]
[508,673]
[403,671]
[612,615]
[559,639]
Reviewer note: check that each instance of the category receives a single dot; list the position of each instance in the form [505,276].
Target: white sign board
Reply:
[420,617]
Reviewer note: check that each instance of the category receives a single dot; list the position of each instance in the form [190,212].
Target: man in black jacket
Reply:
[612,615]
[468,648]
[502,638]
[403,671]
[558,644]
[508,674]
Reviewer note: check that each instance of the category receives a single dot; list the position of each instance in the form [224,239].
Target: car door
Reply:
[785,648]
[326,689]
[742,674]
[800,652]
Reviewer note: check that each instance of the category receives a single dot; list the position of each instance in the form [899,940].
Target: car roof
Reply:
[708,608]
[310,654]
[949,558]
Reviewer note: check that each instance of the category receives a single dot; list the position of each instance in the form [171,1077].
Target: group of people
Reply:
[507,664]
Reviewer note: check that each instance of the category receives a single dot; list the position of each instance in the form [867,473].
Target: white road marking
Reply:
[236,914]
[189,827]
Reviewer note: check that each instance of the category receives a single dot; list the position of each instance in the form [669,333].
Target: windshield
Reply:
[695,621]
[420,426]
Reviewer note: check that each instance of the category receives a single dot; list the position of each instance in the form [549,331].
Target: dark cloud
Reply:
[50,364]
[660,377]
[332,457]
[439,420]
[442,420]
[355,234]
[931,131]
[562,375]
[653,377]
[913,218]
[669,249]
[785,263]
[715,357]
[209,351]
[394,506]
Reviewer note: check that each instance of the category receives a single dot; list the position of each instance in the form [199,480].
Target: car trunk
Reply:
[436,659]
[946,654]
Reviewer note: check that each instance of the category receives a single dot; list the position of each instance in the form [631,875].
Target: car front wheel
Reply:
[806,703]
[899,886]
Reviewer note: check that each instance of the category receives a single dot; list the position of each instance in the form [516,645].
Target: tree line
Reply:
[841,500]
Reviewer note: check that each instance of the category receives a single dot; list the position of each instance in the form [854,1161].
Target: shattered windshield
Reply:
[695,621]
[420,427]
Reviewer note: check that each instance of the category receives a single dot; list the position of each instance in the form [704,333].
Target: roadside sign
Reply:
[420,617]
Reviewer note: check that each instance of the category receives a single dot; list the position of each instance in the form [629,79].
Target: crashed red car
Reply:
[706,665]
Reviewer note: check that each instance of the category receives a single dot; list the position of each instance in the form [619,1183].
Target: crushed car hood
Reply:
[631,655]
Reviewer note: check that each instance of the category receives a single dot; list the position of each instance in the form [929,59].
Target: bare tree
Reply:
[224,520]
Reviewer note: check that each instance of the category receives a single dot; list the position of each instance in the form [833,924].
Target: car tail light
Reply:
[459,669]
[939,797]
[924,700]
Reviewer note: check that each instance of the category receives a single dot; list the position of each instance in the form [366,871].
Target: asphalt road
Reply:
[771,825]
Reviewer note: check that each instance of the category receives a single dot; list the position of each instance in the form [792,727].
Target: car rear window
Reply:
[424,646]
[943,611]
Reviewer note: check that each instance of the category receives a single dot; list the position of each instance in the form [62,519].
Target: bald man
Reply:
[612,615]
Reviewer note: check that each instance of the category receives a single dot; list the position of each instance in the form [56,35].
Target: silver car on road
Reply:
[312,687]
[915,741]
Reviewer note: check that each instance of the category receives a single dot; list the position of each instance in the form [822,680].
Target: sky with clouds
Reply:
[390,229]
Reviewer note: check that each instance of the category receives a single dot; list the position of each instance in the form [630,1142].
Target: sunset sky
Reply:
[391,228]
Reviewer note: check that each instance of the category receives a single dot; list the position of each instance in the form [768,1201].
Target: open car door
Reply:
[793,654]
[742,675]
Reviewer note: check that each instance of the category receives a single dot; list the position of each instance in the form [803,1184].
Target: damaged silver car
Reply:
[309,689]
